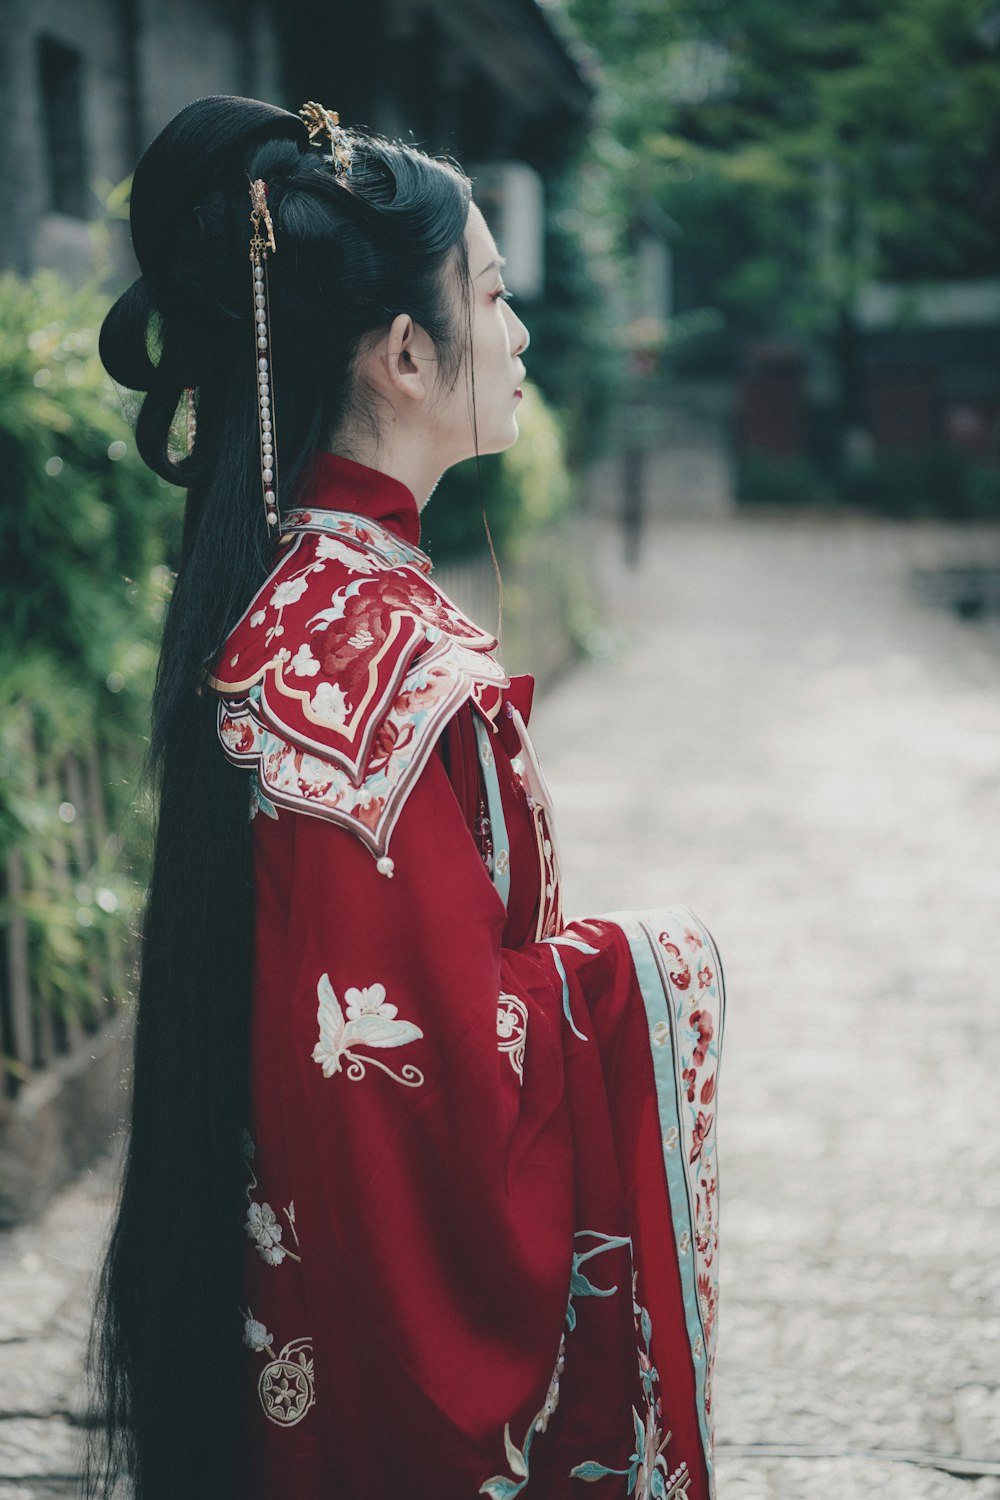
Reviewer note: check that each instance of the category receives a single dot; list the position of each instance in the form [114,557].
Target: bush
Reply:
[85,539]
[941,482]
[762,479]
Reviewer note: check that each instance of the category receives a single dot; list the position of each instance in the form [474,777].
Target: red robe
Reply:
[482,1210]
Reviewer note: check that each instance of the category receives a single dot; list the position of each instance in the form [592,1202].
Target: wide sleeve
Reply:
[414,1067]
[431,1108]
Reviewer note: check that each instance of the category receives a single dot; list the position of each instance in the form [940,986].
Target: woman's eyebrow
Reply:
[502,261]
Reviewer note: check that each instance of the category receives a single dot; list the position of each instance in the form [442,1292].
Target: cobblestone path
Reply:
[793,745]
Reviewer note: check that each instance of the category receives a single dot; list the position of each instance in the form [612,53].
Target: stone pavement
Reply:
[796,749]
[791,744]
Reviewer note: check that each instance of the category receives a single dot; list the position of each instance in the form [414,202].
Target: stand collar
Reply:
[332,482]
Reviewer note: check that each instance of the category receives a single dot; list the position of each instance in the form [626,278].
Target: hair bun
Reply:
[205,139]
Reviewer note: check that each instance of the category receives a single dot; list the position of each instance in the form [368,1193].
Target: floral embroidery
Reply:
[303,663]
[678,967]
[683,948]
[288,592]
[649,1477]
[285,1387]
[512,1029]
[262,1226]
[356,561]
[258,802]
[500,1487]
[261,1222]
[370,1023]
[329,703]
[400,747]
[256,1336]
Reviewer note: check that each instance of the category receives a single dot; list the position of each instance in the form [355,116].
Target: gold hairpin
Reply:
[327,121]
[258,198]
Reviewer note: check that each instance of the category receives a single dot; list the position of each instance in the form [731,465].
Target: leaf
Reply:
[581,1287]
[514,1455]
[500,1488]
[592,1470]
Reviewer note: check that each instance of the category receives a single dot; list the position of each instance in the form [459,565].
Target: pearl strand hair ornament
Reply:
[259,246]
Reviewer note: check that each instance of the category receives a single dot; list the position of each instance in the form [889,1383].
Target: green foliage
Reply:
[85,540]
[765,480]
[803,148]
[939,483]
[522,489]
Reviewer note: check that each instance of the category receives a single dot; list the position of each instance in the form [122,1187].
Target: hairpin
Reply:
[320,121]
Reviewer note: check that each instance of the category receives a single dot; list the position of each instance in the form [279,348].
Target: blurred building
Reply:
[85,85]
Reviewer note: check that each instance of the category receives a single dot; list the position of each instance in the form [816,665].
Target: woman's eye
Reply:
[503,292]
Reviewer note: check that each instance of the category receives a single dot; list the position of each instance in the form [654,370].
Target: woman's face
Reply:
[499,338]
[428,422]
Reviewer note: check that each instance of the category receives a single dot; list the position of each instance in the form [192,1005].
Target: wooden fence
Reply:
[63,936]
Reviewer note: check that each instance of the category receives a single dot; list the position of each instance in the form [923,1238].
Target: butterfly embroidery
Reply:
[370,1022]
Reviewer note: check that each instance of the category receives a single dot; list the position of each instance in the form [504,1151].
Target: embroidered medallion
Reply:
[512,1030]
[285,1386]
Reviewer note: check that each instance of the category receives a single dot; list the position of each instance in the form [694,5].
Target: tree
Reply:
[805,149]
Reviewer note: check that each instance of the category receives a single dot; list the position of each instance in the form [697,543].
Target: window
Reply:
[60,70]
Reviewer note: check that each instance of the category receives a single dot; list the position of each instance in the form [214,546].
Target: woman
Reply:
[420,1195]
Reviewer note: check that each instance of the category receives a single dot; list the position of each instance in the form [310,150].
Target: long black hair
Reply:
[165,1354]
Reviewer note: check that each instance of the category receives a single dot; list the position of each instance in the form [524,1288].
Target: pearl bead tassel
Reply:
[260,218]
[268,467]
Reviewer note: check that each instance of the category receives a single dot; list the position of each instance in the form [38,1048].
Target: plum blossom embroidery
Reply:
[285,1387]
[255,1335]
[329,704]
[288,592]
[261,1222]
[263,1228]
[370,1001]
[303,663]
[370,1022]
[512,1030]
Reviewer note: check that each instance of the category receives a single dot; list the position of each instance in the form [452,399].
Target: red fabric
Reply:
[430,1217]
[332,482]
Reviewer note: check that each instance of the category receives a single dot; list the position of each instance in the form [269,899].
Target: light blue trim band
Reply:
[557,960]
[659,1012]
[498,823]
